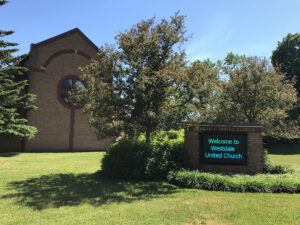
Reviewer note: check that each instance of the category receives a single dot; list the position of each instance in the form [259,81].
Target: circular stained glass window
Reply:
[65,88]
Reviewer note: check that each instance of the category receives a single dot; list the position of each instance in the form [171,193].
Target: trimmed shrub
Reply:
[134,159]
[288,183]
[274,169]
[126,159]
[167,154]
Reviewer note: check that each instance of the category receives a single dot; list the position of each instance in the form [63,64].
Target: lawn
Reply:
[285,154]
[64,188]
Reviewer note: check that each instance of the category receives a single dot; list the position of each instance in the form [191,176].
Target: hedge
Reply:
[280,183]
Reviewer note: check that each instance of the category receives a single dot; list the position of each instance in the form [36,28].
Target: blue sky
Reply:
[218,26]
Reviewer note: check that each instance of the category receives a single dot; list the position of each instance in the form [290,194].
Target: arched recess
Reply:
[62,52]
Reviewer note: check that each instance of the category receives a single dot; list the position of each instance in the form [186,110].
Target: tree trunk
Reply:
[147,136]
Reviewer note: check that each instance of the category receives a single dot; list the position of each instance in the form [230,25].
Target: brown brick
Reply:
[52,118]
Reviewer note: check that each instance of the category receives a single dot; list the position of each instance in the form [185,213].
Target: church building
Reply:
[52,72]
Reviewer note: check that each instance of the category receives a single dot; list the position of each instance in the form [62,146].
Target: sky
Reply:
[250,27]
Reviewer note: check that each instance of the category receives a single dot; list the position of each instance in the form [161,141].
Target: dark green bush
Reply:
[167,154]
[134,159]
[126,159]
[288,183]
[267,162]
[274,169]
[279,169]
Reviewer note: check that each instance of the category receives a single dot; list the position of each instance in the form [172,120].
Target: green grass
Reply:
[285,154]
[63,188]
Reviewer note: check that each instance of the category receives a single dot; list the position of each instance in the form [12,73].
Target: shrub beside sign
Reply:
[224,148]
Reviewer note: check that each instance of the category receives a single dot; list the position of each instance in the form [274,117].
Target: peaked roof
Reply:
[65,34]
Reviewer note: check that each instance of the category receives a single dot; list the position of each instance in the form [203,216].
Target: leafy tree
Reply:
[257,94]
[233,60]
[14,101]
[204,83]
[286,57]
[140,86]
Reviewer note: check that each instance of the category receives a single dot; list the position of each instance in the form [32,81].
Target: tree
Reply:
[14,101]
[232,60]
[286,57]
[140,87]
[204,84]
[257,94]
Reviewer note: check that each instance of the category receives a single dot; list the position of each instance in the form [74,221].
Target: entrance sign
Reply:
[223,148]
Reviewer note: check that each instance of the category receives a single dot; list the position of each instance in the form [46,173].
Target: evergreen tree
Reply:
[14,101]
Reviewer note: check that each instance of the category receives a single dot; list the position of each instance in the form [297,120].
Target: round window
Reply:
[65,87]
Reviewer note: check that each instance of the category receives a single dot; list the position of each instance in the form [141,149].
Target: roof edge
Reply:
[65,34]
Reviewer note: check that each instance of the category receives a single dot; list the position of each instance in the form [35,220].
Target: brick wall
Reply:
[254,149]
[52,118]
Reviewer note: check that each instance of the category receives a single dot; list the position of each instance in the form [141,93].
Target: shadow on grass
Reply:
[283,149]
[8,154]
[56,190]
